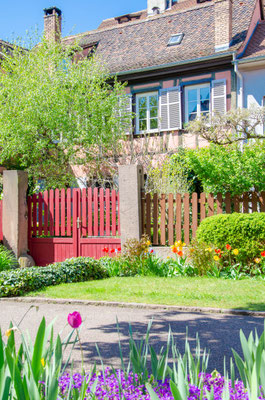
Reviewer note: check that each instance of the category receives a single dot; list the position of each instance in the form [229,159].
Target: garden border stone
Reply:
[210,310]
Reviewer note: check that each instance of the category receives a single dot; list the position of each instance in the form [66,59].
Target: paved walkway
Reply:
[217,332]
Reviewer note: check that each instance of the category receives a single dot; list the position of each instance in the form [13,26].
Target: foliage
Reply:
[224,169]
[201,260]
[164,179]
[136,248]
[57,110]
[245,232]
[7,259]
[236,125]
[21,281]
[180,166]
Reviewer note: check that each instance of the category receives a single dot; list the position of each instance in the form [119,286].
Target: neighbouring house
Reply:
[178,59]
[250,64]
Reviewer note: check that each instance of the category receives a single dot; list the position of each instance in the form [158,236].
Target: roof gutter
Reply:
[250,60]
[173,64]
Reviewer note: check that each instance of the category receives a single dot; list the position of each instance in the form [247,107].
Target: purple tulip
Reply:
[74,319]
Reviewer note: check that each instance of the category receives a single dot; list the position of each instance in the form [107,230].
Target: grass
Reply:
[202,292]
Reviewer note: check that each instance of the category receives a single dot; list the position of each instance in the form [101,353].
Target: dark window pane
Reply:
[142,113]
[153,101]
[153,112]
[192,116]
[153,123]
[142,102]
[142,125]
[205,105]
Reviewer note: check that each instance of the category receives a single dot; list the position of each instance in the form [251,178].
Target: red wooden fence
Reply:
[167,218]
[1,220]
[72,222]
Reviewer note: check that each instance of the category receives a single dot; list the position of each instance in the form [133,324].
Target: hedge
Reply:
[20,281]
[245,232]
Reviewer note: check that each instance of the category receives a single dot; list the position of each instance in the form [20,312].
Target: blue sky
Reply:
[17,16]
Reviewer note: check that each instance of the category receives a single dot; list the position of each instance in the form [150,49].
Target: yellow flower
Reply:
[179,243]
[235,252]
[42,362]
[216,258]
[148,243]
[183,244]
[8,332]
[257,260]
[209,249]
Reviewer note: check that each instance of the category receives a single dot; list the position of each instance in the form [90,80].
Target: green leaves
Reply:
[55,111]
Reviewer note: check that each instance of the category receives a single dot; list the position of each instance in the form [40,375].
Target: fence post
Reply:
[15,214]
[130,186]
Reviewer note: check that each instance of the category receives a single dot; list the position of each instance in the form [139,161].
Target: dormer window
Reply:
[175,39]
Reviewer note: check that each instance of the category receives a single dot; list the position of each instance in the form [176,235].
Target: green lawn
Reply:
[202,292]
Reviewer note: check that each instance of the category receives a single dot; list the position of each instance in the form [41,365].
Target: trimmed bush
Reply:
[20,281]
[245,232]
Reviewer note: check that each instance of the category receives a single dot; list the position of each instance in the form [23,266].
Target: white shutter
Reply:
[219,96]
[125,109]
[170,109]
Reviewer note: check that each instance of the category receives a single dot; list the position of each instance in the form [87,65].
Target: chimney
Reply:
[52,23]
[156,6]
[223,24]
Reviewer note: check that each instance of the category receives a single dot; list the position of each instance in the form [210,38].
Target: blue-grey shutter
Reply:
[219,96]
[170,109]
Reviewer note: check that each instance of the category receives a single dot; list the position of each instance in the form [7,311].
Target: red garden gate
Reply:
[72,223]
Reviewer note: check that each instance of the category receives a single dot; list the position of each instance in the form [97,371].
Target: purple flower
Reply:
[74,319]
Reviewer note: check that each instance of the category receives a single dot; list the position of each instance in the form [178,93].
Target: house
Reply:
[250,64]
[178,59]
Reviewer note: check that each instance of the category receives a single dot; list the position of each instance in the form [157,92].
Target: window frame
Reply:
[137,119]
[186,102]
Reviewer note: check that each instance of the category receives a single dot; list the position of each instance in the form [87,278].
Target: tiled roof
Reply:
[256,46]
[144,43]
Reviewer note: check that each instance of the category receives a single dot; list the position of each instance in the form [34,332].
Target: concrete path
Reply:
[217,332]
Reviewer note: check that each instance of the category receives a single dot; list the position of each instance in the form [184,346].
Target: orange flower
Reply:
[262,254]
[174,249]
[228,247]
[180,253]
[218,251]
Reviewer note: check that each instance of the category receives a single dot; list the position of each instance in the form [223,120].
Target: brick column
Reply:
[15,211]
[130,186]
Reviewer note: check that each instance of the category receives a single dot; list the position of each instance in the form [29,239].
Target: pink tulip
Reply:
[74,319]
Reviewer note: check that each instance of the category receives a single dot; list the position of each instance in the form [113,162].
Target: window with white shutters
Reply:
[170,109]
[218,94]
[147,112]
[197,101]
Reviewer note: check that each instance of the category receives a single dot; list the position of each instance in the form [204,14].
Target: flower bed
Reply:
[108,387]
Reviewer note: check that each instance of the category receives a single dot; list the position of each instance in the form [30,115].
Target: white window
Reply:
[147,112]
[197,101]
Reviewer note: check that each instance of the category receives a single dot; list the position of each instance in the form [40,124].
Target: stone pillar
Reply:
[130,186]
[15,212]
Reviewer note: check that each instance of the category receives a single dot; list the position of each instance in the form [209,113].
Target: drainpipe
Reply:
[240,76]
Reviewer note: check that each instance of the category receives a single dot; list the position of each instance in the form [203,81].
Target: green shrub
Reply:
[245,232]
[21,281]
[7,259]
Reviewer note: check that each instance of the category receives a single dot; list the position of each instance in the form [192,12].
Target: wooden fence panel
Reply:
[170,223]
[1,219]
[163,219]
[186,203]
[194,213]
[148,214]
[228,203]
[178,216]
[219,203]
[202,206]
[155,219]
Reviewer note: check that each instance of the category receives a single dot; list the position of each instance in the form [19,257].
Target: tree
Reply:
[235,126]
[224,169]
[57,110]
